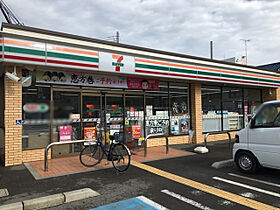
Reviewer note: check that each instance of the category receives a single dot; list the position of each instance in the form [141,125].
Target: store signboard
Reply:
[65,133]
[142,84]
[89,133]
[116,63]
[156,126]
[90,79]
[80,79]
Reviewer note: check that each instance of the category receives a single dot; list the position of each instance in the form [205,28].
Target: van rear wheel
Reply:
[246,162]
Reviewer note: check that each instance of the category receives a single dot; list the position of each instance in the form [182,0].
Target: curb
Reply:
[51,200]
[223,164]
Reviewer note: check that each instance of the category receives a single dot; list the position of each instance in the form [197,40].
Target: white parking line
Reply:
[187,200]
[256,180]
[247,187]
[151,203]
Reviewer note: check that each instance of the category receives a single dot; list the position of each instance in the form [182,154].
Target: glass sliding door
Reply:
[91,115]
[134,118]
[66,121]
[114,117]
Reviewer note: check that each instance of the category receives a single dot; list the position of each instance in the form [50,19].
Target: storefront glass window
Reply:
[157,119]
[232,108]
[211,108]
[252,100]
[179,108]
[36,117]
[238,105]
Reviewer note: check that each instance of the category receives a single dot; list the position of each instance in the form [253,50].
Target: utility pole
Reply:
[246,53]
[118,37]
[211,50]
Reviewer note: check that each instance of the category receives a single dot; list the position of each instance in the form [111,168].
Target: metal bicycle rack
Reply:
[212,133]
[157,135]
[61,143]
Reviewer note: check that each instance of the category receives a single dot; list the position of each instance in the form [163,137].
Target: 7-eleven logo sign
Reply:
[117,62]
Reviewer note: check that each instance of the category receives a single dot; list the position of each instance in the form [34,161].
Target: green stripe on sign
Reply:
[72,57]
[24,51]
[146,66]
[205,73]
[183,70]
[1,48]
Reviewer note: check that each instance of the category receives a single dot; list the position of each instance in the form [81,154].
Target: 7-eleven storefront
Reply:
[72,85]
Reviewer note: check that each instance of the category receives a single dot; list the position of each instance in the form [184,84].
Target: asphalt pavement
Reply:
[263,187]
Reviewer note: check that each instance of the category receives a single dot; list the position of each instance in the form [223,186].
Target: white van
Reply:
[259,143]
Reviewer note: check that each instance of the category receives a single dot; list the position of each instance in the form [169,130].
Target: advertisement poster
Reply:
[142,84]
[175,126]
[184,125]
[65,133]
[156,126]
[80,78]
[136,131]
[89,133]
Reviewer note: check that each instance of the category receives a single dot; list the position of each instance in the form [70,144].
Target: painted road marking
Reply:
[138,203]
[247,187]
[186,200]
[206,188]
[256,180]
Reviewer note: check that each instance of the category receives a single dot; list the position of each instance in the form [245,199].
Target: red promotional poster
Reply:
[142,84]
[65,133]
[89,133]
[136,131]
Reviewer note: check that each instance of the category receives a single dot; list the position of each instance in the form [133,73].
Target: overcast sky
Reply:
[184,26]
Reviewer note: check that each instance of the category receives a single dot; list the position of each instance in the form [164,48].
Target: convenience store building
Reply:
[71,84]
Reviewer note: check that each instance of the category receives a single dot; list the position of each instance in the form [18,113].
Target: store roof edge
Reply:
[133,47]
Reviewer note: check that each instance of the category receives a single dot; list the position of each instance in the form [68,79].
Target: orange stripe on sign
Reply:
[18,43]
[74,51]
[115,56]
[203,68]
[1,40]
[148,61]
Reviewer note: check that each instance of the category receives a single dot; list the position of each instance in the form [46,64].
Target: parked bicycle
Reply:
[93,152]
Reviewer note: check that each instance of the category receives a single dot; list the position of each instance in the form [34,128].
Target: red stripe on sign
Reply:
[202,77]
[72,64]
[24,58]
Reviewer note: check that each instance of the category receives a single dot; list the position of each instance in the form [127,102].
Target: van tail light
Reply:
[236,139]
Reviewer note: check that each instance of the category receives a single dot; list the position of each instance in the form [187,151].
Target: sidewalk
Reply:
[71,165]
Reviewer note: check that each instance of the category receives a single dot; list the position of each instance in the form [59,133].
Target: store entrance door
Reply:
[66,123]
[113,110]
[91,114]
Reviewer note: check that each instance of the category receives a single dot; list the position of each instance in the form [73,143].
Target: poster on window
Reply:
[65,133]
[175,126]
[184,125]
[136,131]
[157,126]
[89,133]
[142,83]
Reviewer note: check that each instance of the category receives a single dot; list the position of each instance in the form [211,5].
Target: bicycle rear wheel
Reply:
[120,155]
[91,155]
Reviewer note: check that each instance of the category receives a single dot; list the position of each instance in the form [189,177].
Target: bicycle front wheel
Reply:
[91,155]
[120,155]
